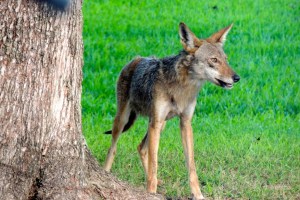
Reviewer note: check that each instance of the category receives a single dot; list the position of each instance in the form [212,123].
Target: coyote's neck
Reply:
[177,68]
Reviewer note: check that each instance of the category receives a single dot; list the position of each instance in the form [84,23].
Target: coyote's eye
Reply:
[214,60]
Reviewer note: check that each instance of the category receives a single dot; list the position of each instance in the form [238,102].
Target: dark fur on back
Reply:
[148,72]
[142,83]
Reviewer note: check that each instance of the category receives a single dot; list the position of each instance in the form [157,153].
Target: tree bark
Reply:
[43,154]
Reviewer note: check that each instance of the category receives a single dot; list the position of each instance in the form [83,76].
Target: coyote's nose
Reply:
[236,78]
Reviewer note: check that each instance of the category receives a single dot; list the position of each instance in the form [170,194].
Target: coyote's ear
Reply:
[188,39]
[220,36]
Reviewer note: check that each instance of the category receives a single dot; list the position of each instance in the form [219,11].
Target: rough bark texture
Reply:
[43,154]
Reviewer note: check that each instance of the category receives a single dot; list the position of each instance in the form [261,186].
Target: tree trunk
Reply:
[42,151]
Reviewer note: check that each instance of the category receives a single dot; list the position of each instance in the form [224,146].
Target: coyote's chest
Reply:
[181,98]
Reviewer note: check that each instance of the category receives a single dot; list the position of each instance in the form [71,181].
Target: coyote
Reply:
[164,88]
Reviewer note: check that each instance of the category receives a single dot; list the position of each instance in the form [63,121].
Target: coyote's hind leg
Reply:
[121,119]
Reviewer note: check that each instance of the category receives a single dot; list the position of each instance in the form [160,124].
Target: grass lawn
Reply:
[247,140]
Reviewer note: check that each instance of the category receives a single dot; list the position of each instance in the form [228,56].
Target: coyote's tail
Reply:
[132,118]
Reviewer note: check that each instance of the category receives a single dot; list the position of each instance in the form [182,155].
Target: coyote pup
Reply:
[164,88]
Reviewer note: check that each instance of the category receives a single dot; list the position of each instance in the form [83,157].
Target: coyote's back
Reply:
[143,80]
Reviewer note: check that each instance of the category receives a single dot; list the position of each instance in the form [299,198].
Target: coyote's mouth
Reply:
[224,84]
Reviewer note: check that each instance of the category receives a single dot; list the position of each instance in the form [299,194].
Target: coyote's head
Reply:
[210,62]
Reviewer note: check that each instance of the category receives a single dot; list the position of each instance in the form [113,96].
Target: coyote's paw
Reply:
[198,197]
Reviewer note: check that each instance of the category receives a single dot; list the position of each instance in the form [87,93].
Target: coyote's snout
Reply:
[164,88]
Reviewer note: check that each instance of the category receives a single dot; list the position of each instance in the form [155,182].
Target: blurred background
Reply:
[246,139]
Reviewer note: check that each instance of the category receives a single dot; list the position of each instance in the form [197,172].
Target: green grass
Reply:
[247,140]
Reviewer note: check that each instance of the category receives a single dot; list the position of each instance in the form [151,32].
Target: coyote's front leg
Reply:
[188,147]
[155,127]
